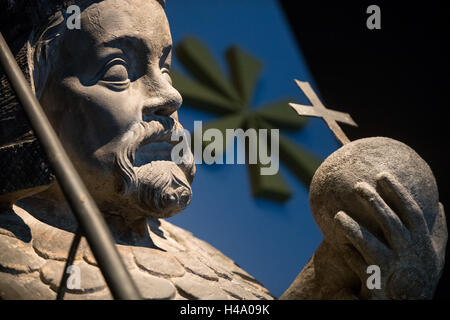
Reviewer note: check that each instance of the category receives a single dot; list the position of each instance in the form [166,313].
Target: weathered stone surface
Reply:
[157,262]
[192,286]
[167,243]
[205,247]
[236,291]
[222,265]
[154,271]
[97,295]
[193,265]
[17,287]
[151,287]
[178,234]
[252,285]
[17,256]
[179,297]
[214,266]
[162,238]
[124,251]
[53,243]
[182,237]
[91,278]
[260,292]
[334,186]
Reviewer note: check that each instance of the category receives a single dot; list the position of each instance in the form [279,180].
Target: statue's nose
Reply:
[163,104]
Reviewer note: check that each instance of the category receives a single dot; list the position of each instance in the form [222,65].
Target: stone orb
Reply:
[332,187]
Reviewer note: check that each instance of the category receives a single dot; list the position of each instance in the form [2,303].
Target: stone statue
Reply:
[106,88]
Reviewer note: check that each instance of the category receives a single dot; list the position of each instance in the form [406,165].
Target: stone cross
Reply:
[319,110]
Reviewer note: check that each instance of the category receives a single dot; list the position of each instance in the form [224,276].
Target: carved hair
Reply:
[43,46]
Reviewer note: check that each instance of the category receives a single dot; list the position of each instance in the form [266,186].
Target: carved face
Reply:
[109,96]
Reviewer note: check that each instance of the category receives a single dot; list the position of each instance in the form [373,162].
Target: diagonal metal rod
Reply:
[72,253]
[83,206]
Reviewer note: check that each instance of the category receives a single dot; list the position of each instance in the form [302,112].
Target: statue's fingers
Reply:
[393,229]
[354,260]
[406,207]
[371,249]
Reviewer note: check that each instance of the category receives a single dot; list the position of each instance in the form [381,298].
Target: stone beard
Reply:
[158,185]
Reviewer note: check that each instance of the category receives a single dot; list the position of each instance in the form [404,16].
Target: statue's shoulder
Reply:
[32,260]
[20,264]
[197,269]
[175,265]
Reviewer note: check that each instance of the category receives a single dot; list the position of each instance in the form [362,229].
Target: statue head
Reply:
[107,91]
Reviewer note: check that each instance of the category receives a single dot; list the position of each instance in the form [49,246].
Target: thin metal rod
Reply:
[83,206]
[72,252]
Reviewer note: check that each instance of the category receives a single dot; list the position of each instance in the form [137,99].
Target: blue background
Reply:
[269,240]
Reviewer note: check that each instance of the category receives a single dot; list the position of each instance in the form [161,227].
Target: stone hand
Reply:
[410,256]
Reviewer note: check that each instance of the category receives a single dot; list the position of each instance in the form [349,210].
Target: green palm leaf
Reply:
[210,90]
[197,59]
[245,71]
[200,96]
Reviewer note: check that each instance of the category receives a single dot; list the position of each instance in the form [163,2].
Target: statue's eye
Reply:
[116,73]
[166,75]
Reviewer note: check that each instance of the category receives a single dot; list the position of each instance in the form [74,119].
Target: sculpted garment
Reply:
[170,264]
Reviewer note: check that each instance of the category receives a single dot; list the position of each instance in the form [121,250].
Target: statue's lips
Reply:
[152,140]
[154,151]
